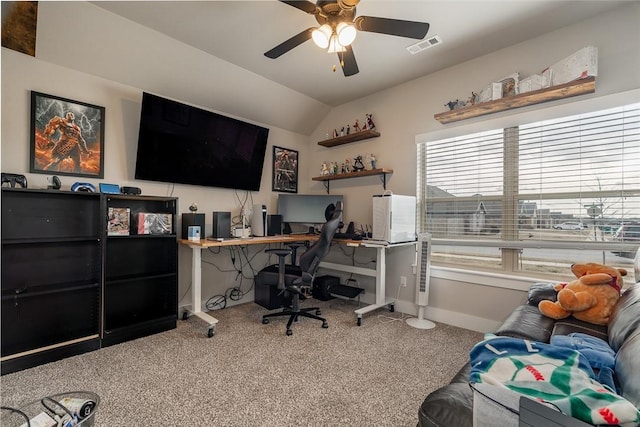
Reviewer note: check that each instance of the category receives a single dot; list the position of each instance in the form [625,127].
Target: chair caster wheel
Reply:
[210,332]
[265,321]
[325,325]
[289,332]
[318,312]
[185,315]
[392,308]
[359,321]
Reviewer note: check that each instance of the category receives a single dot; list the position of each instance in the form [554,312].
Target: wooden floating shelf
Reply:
[370,172]
[352,137]
[567,90]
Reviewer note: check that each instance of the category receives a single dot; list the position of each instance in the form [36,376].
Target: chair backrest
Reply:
[310,259]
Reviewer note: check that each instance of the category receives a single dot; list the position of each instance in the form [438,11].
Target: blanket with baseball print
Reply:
[559,376]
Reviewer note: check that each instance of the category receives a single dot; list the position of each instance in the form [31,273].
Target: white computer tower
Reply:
[259,220]
[394,218]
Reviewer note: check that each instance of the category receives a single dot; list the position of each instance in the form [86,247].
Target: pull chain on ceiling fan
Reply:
[339,27]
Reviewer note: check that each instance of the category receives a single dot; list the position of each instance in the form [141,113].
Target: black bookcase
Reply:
[140,271]
[51,276]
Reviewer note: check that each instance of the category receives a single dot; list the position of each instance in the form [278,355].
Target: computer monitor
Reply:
[305,208]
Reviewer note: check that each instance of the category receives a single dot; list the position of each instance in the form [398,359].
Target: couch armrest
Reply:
[451,405]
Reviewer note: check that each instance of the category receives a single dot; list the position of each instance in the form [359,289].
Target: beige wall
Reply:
[115,60]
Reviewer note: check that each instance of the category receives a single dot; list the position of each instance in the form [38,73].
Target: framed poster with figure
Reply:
[67,137]
[285,170]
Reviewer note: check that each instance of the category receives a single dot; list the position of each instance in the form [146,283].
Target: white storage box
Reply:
[530,83]
[579,65]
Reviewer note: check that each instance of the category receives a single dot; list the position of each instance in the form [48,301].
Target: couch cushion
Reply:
[628,369]
[451,405]
[625,318]
[527,322]
[571,325]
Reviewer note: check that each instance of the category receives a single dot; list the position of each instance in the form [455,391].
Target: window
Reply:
[536,197]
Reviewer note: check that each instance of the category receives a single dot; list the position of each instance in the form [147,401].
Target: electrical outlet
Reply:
[403,281]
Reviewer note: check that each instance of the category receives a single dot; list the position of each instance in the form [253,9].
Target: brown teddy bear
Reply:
[591,297]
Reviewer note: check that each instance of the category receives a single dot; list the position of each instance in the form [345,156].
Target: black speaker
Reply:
[274,225]
[191,219]
[133,191]
[221,225]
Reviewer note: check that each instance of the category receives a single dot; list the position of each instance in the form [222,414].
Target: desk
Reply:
[379,273]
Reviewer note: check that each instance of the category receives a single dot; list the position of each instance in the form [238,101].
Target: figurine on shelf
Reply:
[347,165]
[356,126]
[357,164]
[370,123]
[342,131]
[454,105]
[335,133]
[472,99]
[334,167]
[372,161]
[325,169]
[348,129]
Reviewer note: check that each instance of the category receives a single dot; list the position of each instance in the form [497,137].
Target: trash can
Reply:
[70,409]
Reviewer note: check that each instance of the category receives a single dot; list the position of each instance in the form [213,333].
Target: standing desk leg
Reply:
[196,291]
[381,275]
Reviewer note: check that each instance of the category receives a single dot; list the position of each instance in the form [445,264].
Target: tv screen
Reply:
[178,143]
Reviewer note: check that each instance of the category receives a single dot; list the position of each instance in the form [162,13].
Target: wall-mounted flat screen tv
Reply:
[181,144]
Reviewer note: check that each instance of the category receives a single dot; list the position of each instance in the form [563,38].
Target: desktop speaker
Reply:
[274,225]
[190,220]
[259,220]
[222,225]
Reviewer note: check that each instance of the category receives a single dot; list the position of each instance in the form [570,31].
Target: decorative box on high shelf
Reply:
[370,172]
[574,88]
[352,137]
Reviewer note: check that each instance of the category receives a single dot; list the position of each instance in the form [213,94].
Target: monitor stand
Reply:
[311,231]
[286,229]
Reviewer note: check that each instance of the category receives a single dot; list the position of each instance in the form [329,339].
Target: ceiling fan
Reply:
[338,29]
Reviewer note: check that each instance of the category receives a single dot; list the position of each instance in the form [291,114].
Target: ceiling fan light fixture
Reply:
[346,33]
[321,36]
[334,45]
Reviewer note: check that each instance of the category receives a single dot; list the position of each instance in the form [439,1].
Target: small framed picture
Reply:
[67,137]
[285,170]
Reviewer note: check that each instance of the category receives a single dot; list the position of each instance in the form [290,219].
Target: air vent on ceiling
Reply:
[424,44]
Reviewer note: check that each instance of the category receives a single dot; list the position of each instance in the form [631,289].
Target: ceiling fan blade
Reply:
[287,45]
[394,27]
[348,62]
[305,6]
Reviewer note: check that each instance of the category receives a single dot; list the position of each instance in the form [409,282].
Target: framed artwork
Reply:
[285,170]
[67,137]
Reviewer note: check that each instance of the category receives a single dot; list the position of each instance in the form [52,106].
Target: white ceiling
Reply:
[241,31]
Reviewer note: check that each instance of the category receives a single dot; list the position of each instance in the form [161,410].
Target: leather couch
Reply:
[452,405]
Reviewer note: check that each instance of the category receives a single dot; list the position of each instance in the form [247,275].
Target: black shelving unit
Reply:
[51,276]
[140,273]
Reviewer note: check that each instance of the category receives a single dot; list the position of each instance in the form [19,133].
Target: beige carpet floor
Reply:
[250,374]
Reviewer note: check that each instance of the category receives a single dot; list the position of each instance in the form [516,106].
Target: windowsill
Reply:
[485,278]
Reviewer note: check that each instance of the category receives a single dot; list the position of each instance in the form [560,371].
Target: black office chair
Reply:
[309,263]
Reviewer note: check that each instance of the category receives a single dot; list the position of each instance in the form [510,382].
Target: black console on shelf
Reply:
[56,248]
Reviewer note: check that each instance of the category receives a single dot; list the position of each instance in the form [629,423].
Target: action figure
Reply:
[370,123]
[70,143]
[356,126]
[372,160]
[357,164]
